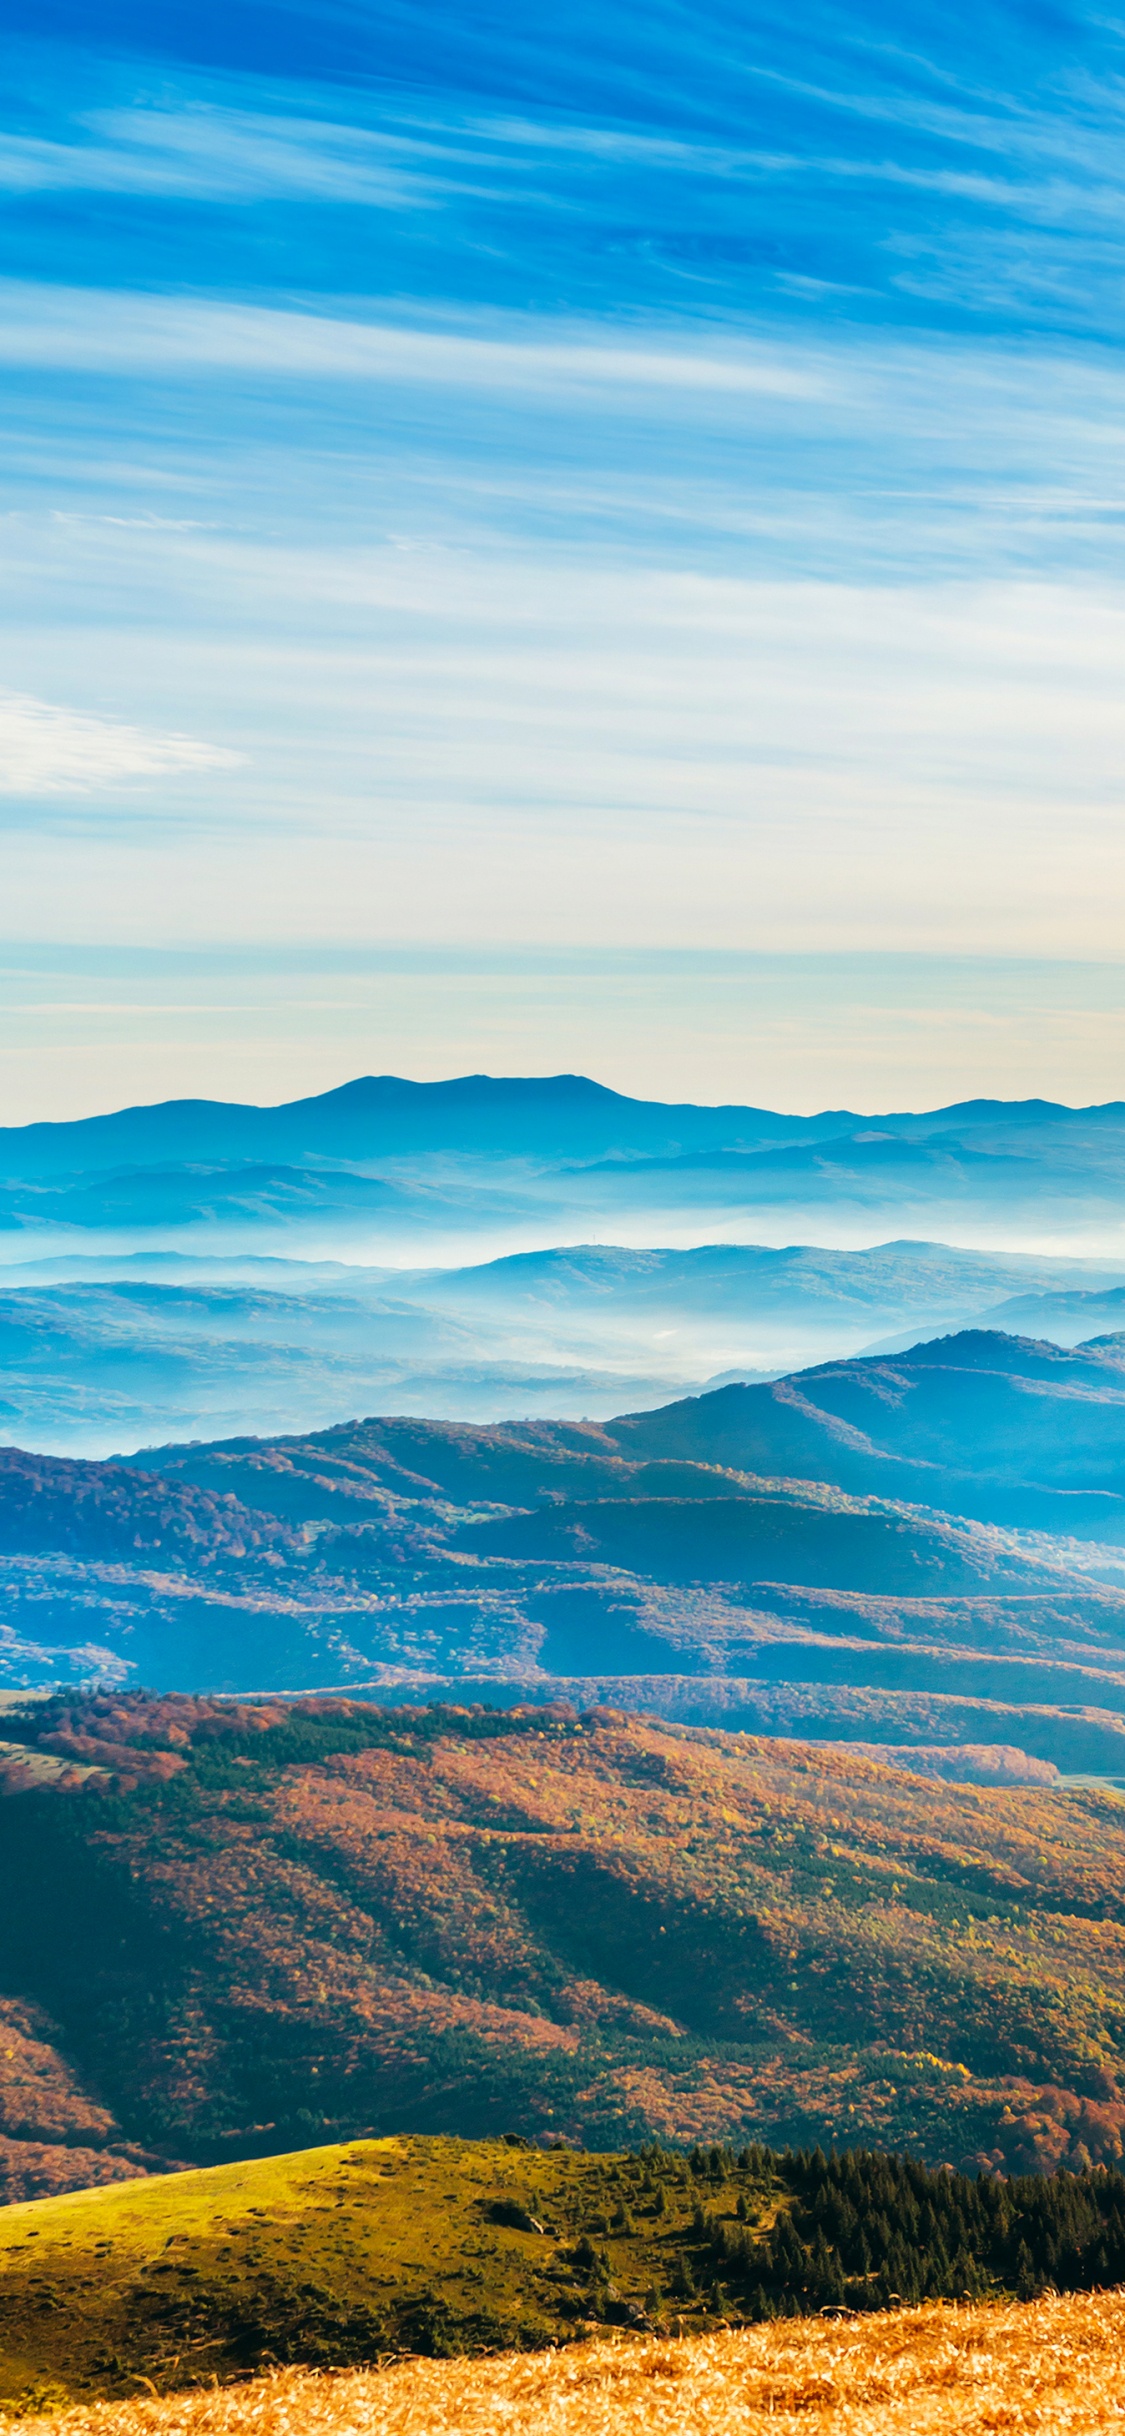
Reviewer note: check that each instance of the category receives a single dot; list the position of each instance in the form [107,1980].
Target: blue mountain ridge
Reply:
[555,1117]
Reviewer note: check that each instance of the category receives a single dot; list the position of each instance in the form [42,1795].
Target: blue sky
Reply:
[642,481]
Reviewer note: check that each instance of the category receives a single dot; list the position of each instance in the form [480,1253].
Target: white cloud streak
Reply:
[1062,167]
[46,749]
[79,329]
[225,155]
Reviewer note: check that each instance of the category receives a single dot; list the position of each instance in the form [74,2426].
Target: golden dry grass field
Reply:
[1052,2368]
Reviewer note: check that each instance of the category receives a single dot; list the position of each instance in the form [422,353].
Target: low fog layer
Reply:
[205,1268]
[96,1355]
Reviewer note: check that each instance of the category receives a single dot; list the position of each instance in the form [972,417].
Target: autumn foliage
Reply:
[258,1926]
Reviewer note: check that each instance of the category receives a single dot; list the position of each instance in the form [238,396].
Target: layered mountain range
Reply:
[489,1247]
[892,1522]
[100,1352]
[923,1548]
[492,1872]
[563,1116]
[381,1158]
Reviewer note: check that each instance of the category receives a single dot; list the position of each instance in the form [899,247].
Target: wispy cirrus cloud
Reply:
[205,152]
[1058,165]
[628,473]
[81,329]
[48,749]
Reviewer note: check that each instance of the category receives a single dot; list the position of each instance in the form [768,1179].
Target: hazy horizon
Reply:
[89,1029]
[581,545]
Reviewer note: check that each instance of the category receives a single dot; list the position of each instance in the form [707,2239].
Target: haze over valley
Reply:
[206,1266]
[873,1494]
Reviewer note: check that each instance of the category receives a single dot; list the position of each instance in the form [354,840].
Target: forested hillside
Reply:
[1008,1429]
[243,1928]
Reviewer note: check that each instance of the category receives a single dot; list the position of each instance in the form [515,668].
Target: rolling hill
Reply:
[1009,1429]
[385,1117]
[1002,1429]
[563,1116]
[1068,1316]
[103,1351]
[442,2247]
[675,1560]
[227,1930]
[91,1364]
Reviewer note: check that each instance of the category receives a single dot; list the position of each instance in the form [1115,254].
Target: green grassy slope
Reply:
[343,2253]
[346,2254]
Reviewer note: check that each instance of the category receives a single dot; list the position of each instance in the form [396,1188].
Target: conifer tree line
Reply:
[865,2230]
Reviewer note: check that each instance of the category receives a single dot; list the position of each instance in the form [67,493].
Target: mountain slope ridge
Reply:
[1016,1430]
[801,1533]
[260,1925]
[491,1114]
